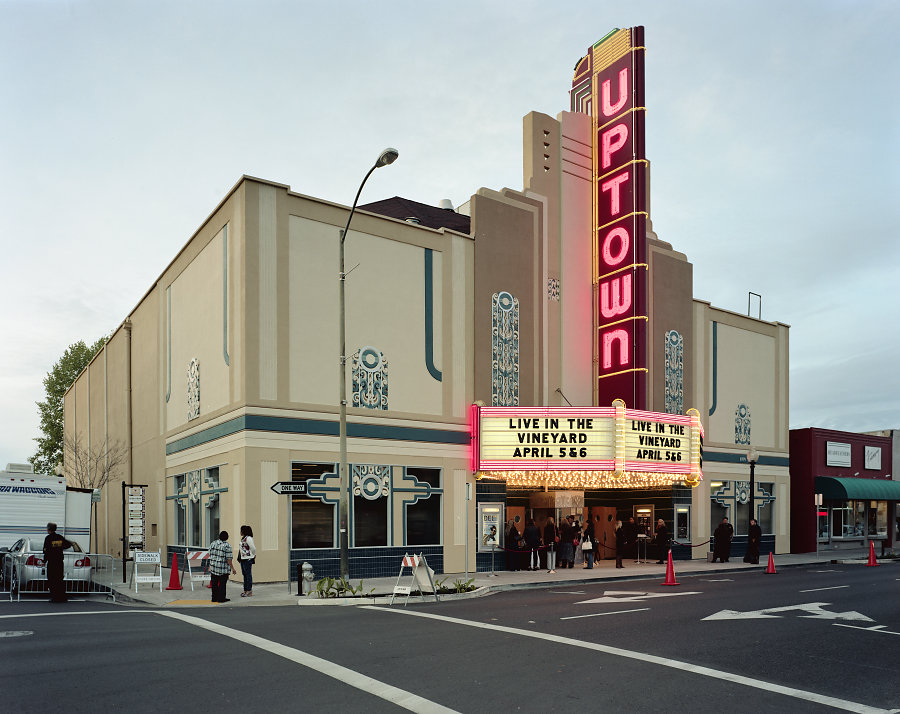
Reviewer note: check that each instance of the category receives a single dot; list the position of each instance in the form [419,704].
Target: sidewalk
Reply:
[605,571]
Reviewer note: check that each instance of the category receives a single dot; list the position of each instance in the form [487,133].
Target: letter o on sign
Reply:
[624,244]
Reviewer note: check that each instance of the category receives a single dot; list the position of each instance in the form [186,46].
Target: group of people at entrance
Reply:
[220,564]
[571,542]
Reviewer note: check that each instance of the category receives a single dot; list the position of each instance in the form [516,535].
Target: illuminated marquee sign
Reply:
[614,442]
[609,85]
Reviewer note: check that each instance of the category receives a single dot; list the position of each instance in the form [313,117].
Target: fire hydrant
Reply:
[307,578]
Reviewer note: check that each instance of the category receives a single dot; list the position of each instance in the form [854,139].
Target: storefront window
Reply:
[841,522]
[823,523]
[878,518]
[741,520]
[764,508]
[212,507]
[312,521]
[423,518]
[369,522]
[716,513]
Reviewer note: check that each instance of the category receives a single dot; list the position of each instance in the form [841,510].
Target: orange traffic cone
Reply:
[770,570]
[670,572]
[872,562]
[174,583]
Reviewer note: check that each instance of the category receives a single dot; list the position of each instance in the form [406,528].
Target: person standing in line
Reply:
[723,535]
[567,542]
[532,544]
[578,555]
[54,545]
[247,558]
[219,566]
[621,542]
[630,530]
[551,540]
[511,547]
[662,540]
[587,544]
[754,537]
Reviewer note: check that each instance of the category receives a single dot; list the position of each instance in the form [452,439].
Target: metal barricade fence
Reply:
[83,574]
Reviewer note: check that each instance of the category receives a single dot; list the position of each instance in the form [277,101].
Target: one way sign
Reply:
[288,487]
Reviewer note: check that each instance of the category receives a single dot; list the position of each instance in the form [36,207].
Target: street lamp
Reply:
[752,458]
[388,156]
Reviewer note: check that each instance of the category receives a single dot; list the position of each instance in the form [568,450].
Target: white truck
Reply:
[28,501]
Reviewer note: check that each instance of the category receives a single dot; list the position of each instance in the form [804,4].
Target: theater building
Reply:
[224,380]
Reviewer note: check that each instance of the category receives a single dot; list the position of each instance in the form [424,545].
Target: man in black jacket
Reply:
[54,544]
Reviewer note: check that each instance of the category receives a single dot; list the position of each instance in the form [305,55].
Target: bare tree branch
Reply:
[92,467]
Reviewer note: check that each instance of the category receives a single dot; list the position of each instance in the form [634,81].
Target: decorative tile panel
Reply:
[674,403]
[742,424]
[504,350]
[370,379]
[371,482]
[553,289]
[193,384]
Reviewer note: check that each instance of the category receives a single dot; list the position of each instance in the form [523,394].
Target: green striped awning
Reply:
[857,489]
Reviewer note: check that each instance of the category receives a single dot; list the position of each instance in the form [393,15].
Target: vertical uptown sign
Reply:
[609,84]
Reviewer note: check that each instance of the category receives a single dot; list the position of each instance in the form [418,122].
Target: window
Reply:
[212,507]
[424,517]
[716,513]
[369,521]
[196,507]
[312,521]
[764,508]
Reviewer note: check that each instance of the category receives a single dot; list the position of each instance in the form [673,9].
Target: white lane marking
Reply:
[16,633]
[815,611]
[567,592]
[833,587]
[613,596]
[600,614]
[877,628]
[718,580]
[644,657]
[828,571]
[73,612]
[395,695]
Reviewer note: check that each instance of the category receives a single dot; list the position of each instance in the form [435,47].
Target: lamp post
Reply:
[752,458]
[388,156]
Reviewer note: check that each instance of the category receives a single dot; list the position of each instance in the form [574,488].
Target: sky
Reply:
[773,133]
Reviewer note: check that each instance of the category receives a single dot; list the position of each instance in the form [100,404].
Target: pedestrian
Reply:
[662,540]
[567,542]
[621,542]
[630,530]
[532,536]
[579,554]
[54,545]
[219,566]
[247,558]
[754,536]
[551,540]
[587,544]
[723,535]
[513,541]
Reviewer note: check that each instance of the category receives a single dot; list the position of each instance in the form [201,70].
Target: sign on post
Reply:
[289,487]
[147,558]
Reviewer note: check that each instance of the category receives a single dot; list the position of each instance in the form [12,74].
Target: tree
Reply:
[92,466]
[50,446]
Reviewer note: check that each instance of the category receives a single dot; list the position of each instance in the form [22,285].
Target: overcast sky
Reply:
[773,131]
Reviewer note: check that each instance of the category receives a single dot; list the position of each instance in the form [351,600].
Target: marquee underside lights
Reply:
[581,480]
[573,447]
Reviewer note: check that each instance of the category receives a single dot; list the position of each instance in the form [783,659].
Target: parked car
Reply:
[32,570]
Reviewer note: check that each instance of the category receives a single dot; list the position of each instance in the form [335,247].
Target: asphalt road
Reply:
[808,639]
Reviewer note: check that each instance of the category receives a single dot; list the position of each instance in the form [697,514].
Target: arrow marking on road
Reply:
[876,628]
[16,633]
[833,587]
[613,596]
[815,610]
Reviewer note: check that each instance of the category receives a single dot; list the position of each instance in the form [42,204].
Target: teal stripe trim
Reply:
[724,458]
[225,294]
[429,316]
[715,367]
[289,425]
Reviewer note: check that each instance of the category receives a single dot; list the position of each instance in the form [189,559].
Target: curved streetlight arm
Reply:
[353,208]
